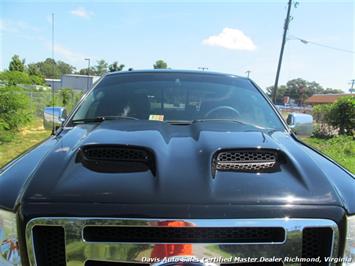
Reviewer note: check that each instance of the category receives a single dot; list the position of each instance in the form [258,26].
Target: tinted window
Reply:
[178,96]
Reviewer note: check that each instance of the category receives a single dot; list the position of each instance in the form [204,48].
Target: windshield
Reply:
[178,97]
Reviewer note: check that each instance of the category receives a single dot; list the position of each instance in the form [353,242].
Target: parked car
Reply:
[56,114]
[163,165]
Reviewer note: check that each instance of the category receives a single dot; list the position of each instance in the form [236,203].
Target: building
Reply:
[324,98]
[78,82]
[73,81]
[54,83]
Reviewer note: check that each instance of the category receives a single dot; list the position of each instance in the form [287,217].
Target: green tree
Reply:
[86,71]
[101,67]
[16,64]
[49,68]
[115,67]
[280,94]
[314,88]
[33,69]
[65,68]
[298,90]
[160,64]
[333,91]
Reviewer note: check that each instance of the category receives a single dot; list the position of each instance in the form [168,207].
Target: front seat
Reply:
[139,106]
[110,106]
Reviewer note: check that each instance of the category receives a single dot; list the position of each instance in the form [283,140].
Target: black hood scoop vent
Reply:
[116,158]
[250,160]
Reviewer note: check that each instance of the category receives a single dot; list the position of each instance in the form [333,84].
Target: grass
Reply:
[341,149]
[25,139]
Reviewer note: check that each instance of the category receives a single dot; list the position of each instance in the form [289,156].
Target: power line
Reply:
[320,44]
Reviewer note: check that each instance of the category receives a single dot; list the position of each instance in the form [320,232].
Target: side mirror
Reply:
[54,116]
[300,124]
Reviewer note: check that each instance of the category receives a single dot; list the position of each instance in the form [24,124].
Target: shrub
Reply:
[321,113]
[323,131]
[14,111]
[12,78]
[37,80]
[342,115]
[339,116]
[67,96]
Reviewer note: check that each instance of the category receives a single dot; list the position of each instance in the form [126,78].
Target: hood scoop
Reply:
[250,160]
[116,158]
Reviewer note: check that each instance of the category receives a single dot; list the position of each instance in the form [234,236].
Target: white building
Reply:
[73,81]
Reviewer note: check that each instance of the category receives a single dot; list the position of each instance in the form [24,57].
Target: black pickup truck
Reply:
[175,168]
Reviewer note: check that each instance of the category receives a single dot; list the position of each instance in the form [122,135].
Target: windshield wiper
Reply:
[227,120]
[218,120]
[99,119]
[179,122]
[189,122]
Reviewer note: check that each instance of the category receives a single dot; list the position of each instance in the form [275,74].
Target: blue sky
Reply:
[225,36]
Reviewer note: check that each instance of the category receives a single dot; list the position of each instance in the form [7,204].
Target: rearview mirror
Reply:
[300,124]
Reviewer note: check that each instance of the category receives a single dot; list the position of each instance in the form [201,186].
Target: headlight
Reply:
[9,249]
[350,242]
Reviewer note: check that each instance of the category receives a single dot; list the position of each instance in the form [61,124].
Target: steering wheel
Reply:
[224,107]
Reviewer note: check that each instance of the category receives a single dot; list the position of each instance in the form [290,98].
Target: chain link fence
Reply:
[38,100]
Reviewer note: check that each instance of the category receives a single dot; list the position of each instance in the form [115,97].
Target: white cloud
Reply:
[81,12]
[17,26]
[68,54]
[63,53]
[229,38]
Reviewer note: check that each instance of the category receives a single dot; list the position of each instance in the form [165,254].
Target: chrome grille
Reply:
[245,160]
[79,250]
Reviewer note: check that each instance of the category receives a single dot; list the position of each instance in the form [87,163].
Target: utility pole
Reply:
[287,21]
[248,73]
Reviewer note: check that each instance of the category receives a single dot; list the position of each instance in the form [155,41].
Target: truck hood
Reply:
[183,157]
